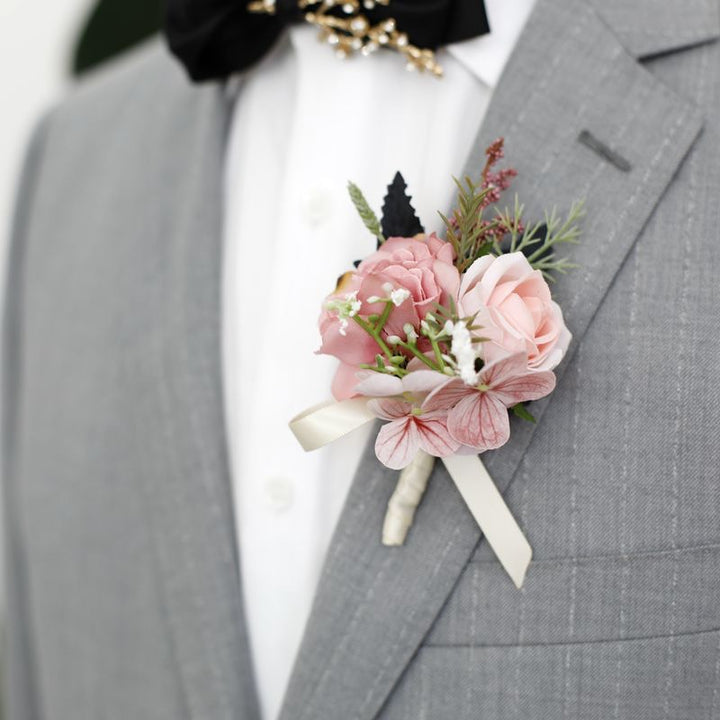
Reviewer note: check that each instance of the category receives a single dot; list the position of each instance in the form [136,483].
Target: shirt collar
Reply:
[486,56]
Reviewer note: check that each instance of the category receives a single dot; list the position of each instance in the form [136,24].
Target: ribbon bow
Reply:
[216,38]
[323,424]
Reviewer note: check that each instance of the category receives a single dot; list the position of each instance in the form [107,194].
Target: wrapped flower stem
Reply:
[407,496]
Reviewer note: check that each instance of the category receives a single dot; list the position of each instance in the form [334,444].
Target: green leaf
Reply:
[365,211]
[522,412]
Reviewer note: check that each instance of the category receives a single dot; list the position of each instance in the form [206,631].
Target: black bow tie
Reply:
[216,38]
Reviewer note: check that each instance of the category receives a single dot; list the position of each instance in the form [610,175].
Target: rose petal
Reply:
[508,267]
[448,277]
[354,347]
[344,382]
[475,272]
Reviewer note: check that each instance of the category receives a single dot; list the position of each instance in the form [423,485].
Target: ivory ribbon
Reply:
[324,423]
[491,513]
[329,421]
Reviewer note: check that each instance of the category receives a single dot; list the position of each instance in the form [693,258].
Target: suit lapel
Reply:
[562,111]
[570,98]
[184,469]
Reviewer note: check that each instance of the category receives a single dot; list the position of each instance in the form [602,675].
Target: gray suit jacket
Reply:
[124,589]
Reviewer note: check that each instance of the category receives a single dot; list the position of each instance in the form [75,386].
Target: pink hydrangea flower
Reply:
[477,415]
[515,309]
[410,429]
[411,426]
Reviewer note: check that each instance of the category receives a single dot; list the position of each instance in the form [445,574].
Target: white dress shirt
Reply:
[304,124]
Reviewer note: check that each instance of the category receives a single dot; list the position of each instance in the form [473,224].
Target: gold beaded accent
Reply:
[355,33]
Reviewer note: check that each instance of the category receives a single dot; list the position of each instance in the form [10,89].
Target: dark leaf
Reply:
[398,215]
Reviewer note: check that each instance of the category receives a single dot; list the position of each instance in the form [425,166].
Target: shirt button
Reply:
[279,493]
[317,207]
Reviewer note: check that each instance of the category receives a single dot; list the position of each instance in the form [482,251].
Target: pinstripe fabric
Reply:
[130,602]
[631,110]
[120,492]
[618,493]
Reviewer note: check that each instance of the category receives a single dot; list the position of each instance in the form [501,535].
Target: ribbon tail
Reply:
[491,513]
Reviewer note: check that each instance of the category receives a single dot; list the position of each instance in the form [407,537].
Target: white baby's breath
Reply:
[355,304]
[399,296]
[344,308]
[410,333]
[464,351]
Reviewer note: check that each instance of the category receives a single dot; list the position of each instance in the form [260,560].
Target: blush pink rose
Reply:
[515,309]
[423,266]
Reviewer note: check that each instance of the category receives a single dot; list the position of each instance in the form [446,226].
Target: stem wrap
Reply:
[404,501]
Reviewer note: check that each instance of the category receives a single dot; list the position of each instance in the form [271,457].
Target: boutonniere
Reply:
[442,338]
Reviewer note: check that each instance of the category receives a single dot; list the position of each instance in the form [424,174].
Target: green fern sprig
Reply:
[538,241]
[466,231]
[365,211]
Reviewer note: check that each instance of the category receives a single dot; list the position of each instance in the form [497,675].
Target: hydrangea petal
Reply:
[511,382]
[435,438]
[390,408]
[446,395]
[397,443]
[423,381]
[531,386]
[376,384]
[479,420]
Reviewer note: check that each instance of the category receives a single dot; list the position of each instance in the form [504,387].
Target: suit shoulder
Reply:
[135,83]
[140,93]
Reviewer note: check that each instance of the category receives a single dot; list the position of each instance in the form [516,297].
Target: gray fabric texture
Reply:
[125,592]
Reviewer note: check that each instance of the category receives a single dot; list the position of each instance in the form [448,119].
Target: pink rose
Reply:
[515,309]
[417,272]
[422,265]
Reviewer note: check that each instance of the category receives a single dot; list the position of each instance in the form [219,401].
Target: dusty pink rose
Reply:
[515,309]
[421,268]
[423,265]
